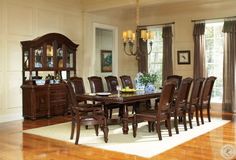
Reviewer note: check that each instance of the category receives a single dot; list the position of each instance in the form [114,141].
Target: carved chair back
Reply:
[126,81]
[175,78]
[112,82]
[96,84]
[78,84]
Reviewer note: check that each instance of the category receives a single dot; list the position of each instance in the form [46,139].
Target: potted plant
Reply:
[149,80]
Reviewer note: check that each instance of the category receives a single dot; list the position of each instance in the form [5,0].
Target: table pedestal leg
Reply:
[125,120]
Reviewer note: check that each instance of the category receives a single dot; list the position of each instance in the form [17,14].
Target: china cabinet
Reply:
[46,62]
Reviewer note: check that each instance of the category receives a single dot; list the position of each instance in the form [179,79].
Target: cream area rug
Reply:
[145,144]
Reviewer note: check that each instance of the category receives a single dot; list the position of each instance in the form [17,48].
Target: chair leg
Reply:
[197,115]
[158,129]
[166,125]
[134,126]
[176,124]
[185,122]
[190,119]
[169,127]
[153,126]
[149,126]
[72,129]
[77,133]
[208,114]
[180,119]
[96,129]
[105,111]
[110,113]
[120,112]
[201,114]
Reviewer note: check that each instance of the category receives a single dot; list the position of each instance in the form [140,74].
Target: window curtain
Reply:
[199,55]
[167,68]
[143,56]
[229,65]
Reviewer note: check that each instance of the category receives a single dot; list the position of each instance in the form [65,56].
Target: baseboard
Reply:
[10,117]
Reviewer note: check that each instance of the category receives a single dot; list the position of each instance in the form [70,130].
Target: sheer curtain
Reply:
[229,67]
[143,57]
[199,55]
[167,52]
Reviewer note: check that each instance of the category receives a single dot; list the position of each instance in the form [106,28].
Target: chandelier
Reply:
[129,38]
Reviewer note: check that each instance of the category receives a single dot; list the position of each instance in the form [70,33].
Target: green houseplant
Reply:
[148,78]
[149,81]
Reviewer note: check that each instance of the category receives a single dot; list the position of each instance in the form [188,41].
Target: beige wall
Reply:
[181,14]
[183,28]
[25,20]
[126,65]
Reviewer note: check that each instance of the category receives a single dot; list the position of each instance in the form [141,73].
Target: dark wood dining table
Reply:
[122,98]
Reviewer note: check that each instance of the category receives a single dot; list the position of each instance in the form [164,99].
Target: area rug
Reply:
[146,144]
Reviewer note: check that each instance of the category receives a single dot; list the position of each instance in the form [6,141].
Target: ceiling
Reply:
[101,5]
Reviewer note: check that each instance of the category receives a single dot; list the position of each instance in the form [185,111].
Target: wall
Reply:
[25,20]
[183,28]
[180,13]
[126,64]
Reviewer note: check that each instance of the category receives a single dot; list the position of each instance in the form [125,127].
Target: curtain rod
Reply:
[196,20]
[160,24]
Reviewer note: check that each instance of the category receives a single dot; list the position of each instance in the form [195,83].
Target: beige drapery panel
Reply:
[143,56]
[229,65]
[199,55]
[167,68]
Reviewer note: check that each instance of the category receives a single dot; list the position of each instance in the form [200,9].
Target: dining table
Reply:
[123,98]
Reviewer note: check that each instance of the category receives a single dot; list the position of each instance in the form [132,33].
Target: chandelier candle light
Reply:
[129,38]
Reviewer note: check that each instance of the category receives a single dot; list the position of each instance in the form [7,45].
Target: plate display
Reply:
[103,93]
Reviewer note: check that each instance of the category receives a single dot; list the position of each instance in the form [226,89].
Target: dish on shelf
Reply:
[103,93]
[40,82]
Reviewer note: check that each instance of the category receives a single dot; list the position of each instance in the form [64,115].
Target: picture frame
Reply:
[183,57]
[106,61]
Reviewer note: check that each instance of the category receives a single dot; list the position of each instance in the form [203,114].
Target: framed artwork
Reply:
[106,61]
[183,57]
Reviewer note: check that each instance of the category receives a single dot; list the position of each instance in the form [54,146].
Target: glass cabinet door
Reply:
[26,59]
[49,55]
[38,57]
[70,58]
[59,55]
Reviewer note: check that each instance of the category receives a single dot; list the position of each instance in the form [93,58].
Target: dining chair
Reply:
[175,78]
[126,81]
[205,100]
[85,114]
[193,104]
[96,86]
[137,106]
[78,86]
[163,112]
[112,83]
[179,106]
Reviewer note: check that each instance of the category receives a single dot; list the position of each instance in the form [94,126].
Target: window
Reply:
[214,48]
[156,56]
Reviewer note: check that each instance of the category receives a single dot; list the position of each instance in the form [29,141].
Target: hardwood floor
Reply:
[15,145]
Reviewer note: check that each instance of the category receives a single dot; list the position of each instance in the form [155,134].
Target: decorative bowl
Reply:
[40,82]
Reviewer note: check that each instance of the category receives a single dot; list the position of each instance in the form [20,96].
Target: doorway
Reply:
[105,50]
